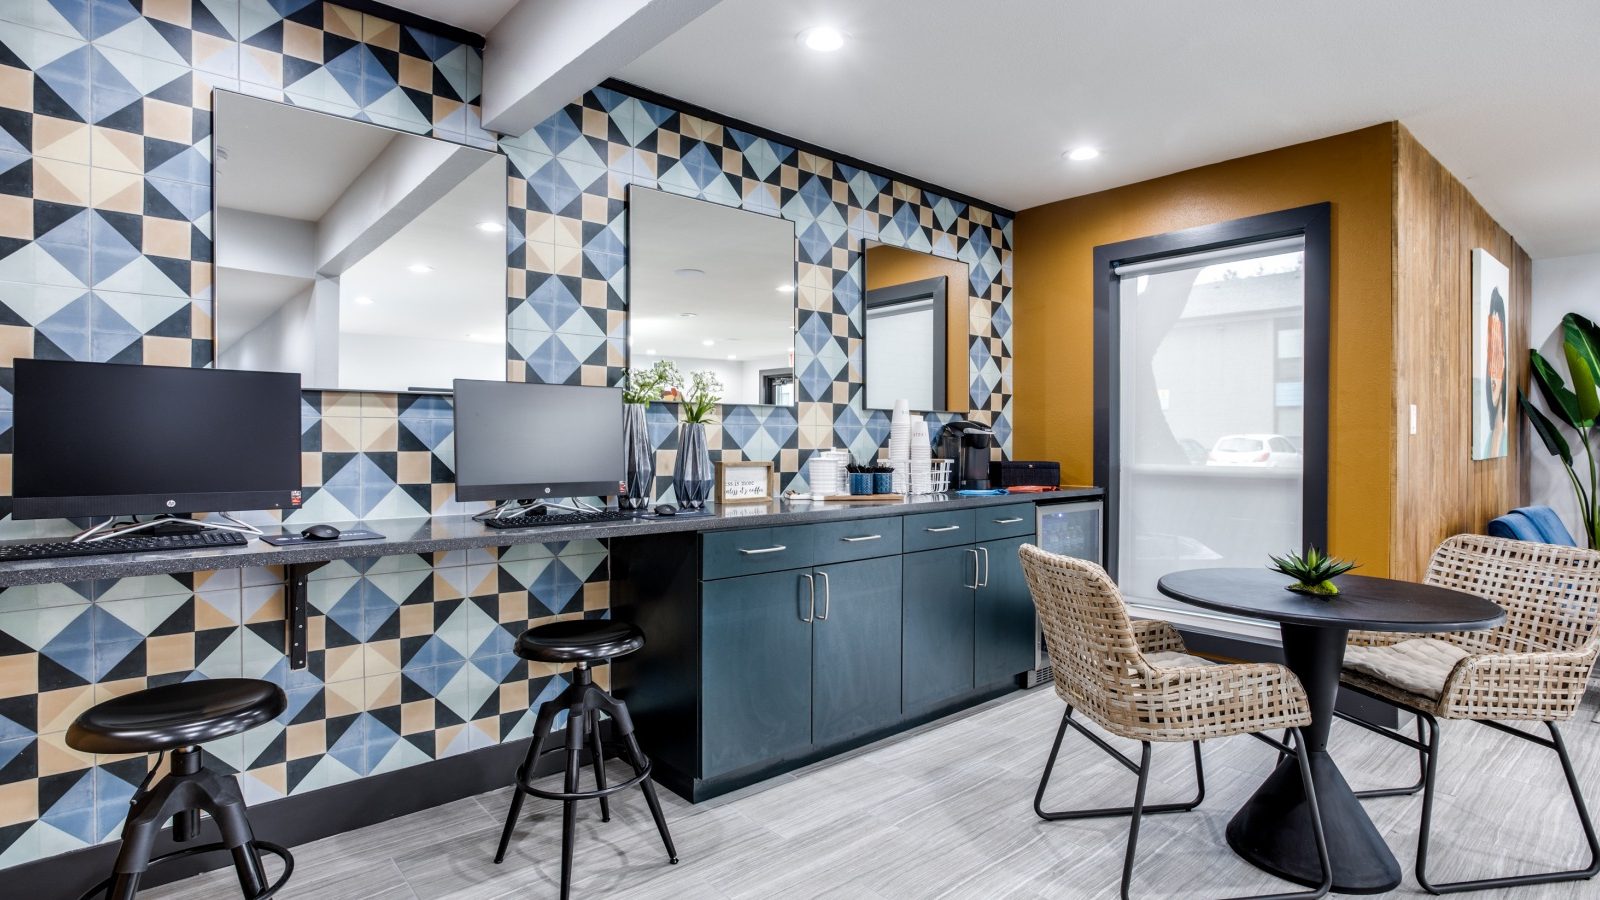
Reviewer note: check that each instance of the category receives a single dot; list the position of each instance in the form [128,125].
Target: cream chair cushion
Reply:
[1419,666]
[1170,659]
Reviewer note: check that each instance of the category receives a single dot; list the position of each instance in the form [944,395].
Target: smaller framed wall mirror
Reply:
[744,482]
[916,329]
[711,288]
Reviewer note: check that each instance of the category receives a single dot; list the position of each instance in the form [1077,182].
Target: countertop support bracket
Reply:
[296,610]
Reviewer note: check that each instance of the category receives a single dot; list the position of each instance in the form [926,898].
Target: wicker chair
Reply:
[1136,680]
[1535,667]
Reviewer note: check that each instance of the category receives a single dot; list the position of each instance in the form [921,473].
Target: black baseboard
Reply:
[297,819]
[1246,649]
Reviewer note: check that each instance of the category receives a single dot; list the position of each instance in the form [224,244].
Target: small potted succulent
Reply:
[640,388]
[692,475]
[1313,572]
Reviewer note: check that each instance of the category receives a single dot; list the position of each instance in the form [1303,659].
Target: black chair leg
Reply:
[1422,743]
[541,730]
[1049,766]
[622,725]
[1139,810]
[1555,743]
[569,808]
[597,752]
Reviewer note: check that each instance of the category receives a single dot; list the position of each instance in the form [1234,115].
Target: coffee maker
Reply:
[968,443]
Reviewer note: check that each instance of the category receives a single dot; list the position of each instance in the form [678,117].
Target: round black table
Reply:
[1273,829]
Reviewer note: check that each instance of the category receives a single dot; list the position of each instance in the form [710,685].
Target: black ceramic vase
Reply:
[691,476]
[639,481]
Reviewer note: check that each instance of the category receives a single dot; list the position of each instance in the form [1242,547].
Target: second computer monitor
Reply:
[531,441]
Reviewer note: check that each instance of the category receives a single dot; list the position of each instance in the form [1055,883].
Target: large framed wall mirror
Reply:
[712,288]
[916,329]
[361,257]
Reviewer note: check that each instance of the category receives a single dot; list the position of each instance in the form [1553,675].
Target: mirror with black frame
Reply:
[711,288]
[915,344]
[359,256]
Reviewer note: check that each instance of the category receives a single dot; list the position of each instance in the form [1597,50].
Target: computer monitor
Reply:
[100,439]
[523,441]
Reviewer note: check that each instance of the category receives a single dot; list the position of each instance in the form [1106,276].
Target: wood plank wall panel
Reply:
[1439,489]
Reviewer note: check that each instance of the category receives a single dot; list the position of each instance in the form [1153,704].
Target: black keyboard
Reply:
[133,543]
[575,518]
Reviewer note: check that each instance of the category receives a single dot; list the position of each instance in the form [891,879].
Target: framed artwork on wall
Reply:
[1491,393]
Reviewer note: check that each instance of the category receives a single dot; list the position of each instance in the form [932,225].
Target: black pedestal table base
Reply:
[1272,831]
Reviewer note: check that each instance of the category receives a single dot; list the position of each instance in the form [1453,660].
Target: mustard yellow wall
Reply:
[1053,307]
[887,266]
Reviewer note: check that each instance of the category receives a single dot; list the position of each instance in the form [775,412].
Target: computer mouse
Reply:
[320,533]
[666,509]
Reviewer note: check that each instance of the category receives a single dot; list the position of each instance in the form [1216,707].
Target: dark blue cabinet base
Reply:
[746,674]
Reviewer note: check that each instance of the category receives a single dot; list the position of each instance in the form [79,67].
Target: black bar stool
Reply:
[582,642]
[179,717]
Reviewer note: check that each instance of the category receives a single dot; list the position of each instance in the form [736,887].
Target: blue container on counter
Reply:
[860,482]
[883,482]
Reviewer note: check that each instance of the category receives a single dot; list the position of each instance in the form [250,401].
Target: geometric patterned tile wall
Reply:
[105,253]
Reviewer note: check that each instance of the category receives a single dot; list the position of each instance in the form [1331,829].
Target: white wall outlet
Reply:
[1413,418]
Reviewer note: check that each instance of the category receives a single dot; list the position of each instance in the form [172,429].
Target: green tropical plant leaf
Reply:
[1547,431]
[1561,401]
[1583,335]
[1583,377]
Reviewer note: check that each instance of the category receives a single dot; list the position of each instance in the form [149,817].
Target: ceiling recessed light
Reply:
[420,268]
[733,356]
[709,342]
[1081,154]
[785,288]
[687,315]
[491,227]
[650,353]
[689,272]
[364,300]
[822,38]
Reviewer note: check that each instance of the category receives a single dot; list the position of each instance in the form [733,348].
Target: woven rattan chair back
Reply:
[1551,594]
[1094,657]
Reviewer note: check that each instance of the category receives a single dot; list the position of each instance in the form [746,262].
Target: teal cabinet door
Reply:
[855,649]
[937,625]
[1004,622]
[755,670]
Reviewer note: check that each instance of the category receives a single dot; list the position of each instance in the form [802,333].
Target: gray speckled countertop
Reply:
[443,533]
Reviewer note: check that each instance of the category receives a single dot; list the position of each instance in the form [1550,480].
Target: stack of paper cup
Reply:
[900,446]
[921,474]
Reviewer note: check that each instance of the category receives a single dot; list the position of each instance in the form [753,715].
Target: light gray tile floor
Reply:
[945,811]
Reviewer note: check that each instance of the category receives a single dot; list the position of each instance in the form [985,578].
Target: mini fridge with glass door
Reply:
[1071,528]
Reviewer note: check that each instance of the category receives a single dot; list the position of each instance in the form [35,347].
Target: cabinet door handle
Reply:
[811,615]
[985,581]
[827,596]
[775,548]
[864,537]
[943,528]
[1008,521]
[974,584]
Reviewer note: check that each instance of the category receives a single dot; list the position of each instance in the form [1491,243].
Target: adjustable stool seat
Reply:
[177,718]
[582,642]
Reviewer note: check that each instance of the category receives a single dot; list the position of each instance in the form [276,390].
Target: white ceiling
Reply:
[476,16]
[736,304]
[255,173]
[984,98]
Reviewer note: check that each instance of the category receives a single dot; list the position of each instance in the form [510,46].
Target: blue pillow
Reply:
[1515,526]
[1548,524]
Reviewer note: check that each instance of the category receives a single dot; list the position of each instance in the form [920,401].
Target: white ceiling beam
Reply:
[404,180]
[546,53]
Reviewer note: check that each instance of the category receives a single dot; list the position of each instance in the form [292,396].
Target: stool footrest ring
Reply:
[261,847]
[526,788]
